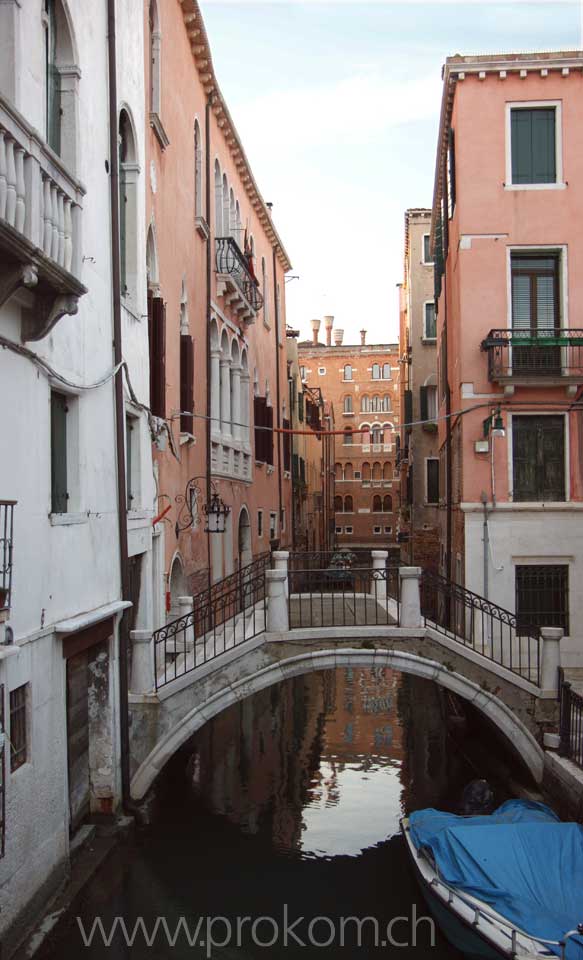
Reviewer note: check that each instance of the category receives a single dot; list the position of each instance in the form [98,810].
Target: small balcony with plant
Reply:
[535,357]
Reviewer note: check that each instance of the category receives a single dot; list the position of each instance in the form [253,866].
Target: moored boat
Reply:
[507,884]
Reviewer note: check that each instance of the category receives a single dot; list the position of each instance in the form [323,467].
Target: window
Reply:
[287,445]
[348,405]
[338,472]
[386,371]
[61,84]
[377,504]
[365,404]
[432,479]
[303,373]
[377,530]
[322,371]
[347,435]
[283,519]
[538,458]
[533,145]
[426,250]
[388,529]
[155,60]
[197,170]
[376,371]
[157,345]
[59,413]
[428,403]
[127,205]
[347,372]
[272,525]
[535,308]
[366,473]
[338,530]
[52,78]
[542,595]
[377,434]
[263,417]
[265,288]
[357,474]
[132,462]
[348,504]
[338,504]
[348,474]
[387,503]
[260,523]
[18,727]
[186,384]
[429,322]
[348,530]
[377,471]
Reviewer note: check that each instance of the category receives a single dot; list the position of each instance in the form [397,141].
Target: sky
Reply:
[337,104]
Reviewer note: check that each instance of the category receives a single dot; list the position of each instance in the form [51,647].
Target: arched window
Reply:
[387,470]
[348,505]
[366,472]
[226,226]
[376,471]
[376,504]
[347,371]
[128,176]
[155,57]
[61,74]
[365,435]
[365,404]
[265,288]
[338,504]
[347,435]
[376,371]
[386,406]
[238,219]
[152,274]
[338,472]
[386,371]
[348,404]
[218,201]
[348,472]
[387,503]
[197,171]
[232,215]
[184,308]
[377,434]
[375,404]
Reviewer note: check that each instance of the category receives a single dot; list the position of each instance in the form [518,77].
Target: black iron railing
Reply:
[231,611]
[475,622]
[571,722]
[6,538]
[321,559]
[534,353]
[343,597]
[231,261]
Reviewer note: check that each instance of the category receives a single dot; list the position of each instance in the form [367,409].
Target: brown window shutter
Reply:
[157,335]
[269,435]
[286,446]
[259,409]
[186,383]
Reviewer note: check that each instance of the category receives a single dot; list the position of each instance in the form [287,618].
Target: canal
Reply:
[286,807]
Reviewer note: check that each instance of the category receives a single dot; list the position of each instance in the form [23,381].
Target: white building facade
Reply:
[61,599]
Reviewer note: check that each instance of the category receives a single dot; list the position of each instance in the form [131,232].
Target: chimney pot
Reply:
[315,331]
[328,324]
[362,338]
[338,337]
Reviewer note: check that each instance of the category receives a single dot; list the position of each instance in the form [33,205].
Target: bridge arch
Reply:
[483,700]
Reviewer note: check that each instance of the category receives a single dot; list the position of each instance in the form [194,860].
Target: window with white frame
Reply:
[426,250]
[348,404]
[538,458]
[132,462]
[347,371]
[338,530]
[272,525]
[429,321]
[388,529]
[322,371]
[377,530]
[534,144]
[303,373]
[348,530]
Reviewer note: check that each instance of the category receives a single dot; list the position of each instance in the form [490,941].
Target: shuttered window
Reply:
[430,326]
[408,409]
[287,443]
[157,338]
[426,249]
[533,136]
[186,384]
[18,727]
[263,418]
[538,458]
[535,292]
[59,494]
[432,467]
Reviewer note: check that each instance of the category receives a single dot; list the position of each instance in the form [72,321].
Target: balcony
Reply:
[551,357]
[6,533]
[40,226]
[235,282]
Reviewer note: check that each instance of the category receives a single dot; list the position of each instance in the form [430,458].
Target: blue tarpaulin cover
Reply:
[521,859]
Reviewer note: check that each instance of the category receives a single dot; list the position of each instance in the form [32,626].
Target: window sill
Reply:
[535,186]
[427,263]
[431,341]
[67,519]
[348,413]
[187,438]
[158,128]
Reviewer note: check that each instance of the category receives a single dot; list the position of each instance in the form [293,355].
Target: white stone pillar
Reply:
[378,586]
[142,679]
[225,396]
[550,658]
[280,562]
[277,612]
[410,597]
[236,402]
[245,400]
[185,639]
[215,391]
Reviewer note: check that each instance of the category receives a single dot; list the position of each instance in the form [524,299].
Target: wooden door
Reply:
[78,737]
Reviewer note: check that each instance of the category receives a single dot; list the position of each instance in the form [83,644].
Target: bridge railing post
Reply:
[410,597]
[277,609]
[142,675]
[550,657]
[378,583]
[186,607]
[280,562]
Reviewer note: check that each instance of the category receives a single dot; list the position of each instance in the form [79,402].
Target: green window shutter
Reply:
[129,463]
[186,384]
[424,408]
[532,134]
[432,481]
[59,495]
[408,409]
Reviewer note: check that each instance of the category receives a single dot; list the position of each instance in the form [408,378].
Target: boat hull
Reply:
[462,937]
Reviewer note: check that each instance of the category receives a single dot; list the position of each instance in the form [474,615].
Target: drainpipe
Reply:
[119,408]
[277,391]
[485,540]
[207,175]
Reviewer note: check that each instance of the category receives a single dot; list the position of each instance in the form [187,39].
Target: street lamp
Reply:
[494,425]
[216,511]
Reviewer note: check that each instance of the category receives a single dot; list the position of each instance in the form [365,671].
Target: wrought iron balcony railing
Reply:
[231,264]
[543,355]
[6,534]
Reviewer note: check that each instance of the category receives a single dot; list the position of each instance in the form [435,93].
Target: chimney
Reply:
[328,323]
[315,331]
[338,337]
[362,338]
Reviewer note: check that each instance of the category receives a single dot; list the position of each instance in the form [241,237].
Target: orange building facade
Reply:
[216,311]
[360,381]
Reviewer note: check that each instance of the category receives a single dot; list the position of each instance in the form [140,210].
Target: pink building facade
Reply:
[216,269]
[508,247]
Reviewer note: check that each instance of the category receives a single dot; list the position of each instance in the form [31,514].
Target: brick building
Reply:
[360,381]
[419,454]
